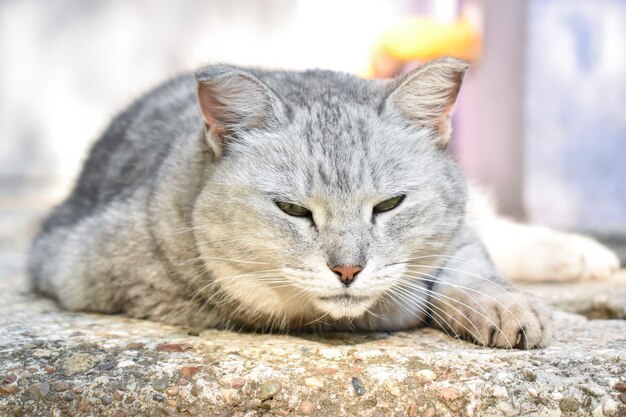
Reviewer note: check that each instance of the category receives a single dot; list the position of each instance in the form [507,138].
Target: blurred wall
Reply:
[489,124]
[575,101]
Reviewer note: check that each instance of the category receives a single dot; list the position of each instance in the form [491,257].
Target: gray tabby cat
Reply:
[283,201]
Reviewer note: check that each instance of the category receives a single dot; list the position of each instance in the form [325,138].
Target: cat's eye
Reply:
[389,204]
[293,209]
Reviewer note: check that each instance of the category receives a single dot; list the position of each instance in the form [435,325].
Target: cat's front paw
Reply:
[568,257]
[588,259]
[503,320]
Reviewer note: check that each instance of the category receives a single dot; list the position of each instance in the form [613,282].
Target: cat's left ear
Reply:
[233,101]
[425,96]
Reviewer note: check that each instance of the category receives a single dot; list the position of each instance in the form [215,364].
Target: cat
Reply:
[532,253]
[284,201]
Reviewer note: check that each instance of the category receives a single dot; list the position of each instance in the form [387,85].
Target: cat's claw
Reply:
[504,320]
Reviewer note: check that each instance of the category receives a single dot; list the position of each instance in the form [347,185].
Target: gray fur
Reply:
[173,217]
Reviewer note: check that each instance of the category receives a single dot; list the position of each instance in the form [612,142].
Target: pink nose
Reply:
[347,274]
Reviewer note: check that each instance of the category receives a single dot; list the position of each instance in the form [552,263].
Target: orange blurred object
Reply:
[421,38]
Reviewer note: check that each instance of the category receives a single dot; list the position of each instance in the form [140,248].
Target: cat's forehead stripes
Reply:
[306,89]
[336,140]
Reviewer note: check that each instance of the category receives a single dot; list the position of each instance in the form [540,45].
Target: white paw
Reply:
[560,256]
[504,320]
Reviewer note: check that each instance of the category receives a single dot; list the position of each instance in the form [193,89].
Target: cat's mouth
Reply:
[344,305]
[343,298]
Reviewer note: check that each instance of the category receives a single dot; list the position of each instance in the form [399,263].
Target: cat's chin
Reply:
[343,306]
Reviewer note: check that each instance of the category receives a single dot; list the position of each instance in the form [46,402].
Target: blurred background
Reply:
[540,121]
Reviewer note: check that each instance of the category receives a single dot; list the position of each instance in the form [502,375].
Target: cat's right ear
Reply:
[233,101]
[425,96]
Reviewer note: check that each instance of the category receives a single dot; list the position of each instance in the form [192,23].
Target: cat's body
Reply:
[175,223]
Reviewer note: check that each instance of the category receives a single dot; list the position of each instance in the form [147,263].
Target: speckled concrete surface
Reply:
[55,363]
[593,299]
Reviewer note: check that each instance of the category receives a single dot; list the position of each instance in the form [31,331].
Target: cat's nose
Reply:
[346,274]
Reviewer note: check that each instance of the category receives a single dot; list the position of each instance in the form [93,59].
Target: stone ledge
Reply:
[592,299]
[55,363]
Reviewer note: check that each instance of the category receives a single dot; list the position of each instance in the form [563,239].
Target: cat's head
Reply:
[324,186]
